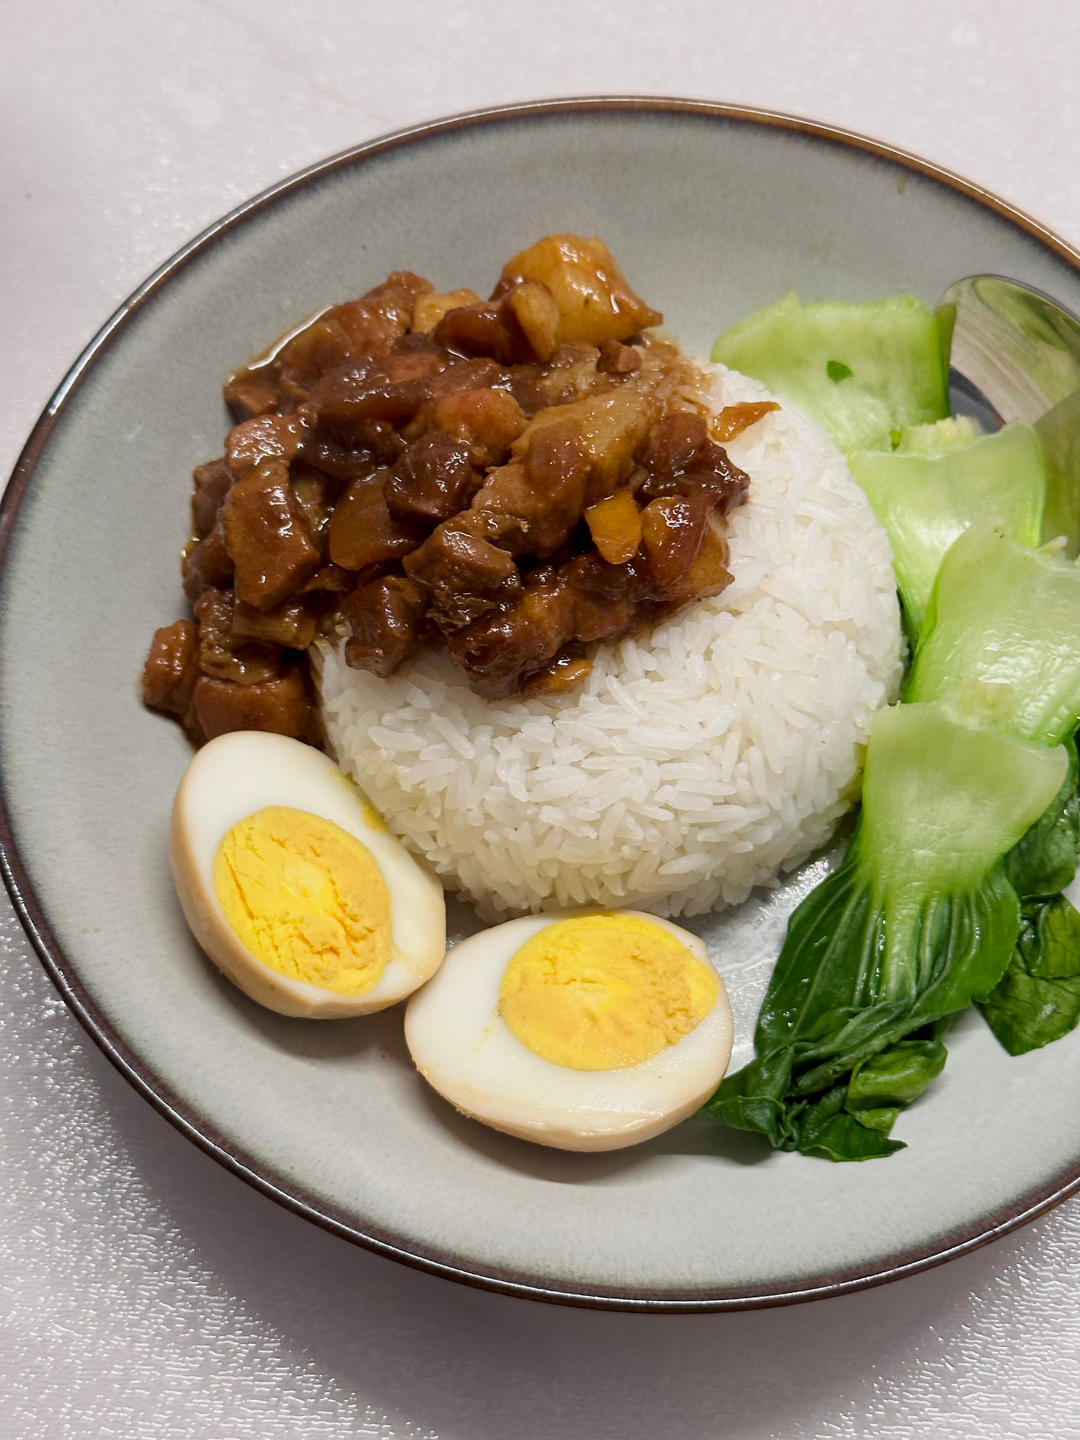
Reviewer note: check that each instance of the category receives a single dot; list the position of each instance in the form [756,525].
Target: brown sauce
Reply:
[517,479]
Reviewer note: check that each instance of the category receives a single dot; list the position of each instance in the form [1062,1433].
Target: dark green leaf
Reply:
[753,1099]
[1044,861]
[836,1050]
[881,1086]
[881,1119]
[825,1128]
[1038,998]
[837,371]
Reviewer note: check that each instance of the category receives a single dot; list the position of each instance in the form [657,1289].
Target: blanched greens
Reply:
[950,891]
[1044,861]
[918,922]
[1037,1000]
[863,371]
[937,437]
[926,499]
[1002,636]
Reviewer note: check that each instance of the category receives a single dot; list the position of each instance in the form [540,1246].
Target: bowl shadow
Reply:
[696,1136]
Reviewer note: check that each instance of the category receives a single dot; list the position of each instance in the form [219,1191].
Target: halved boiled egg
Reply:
[585,1031]
[293,885]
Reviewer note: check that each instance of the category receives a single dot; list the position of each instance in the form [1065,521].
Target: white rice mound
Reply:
[694,763]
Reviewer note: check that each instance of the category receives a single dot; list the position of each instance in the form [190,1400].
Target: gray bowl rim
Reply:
[63,971]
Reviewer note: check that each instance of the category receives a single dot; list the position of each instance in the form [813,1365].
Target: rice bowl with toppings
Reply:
[694,762]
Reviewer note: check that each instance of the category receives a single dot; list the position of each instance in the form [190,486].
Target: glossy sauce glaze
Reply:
[518,479]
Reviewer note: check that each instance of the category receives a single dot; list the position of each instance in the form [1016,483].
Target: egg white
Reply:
[465,1051]
[233,776]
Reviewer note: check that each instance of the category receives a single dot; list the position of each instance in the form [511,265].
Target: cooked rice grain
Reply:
[694,763]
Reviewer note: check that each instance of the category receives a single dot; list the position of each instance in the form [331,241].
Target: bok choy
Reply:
[925,500]
[919,921]
[1002,636]
[865,372]
[950,891]
[1037,1000]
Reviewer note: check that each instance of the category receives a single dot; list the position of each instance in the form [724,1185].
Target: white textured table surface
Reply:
[148,1293]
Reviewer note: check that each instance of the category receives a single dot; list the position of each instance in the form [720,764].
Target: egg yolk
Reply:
[603,992]
[306,898]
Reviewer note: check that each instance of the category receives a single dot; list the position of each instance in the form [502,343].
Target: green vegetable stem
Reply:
[862,371]
[1001,639]
[919,921]
[926,500]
